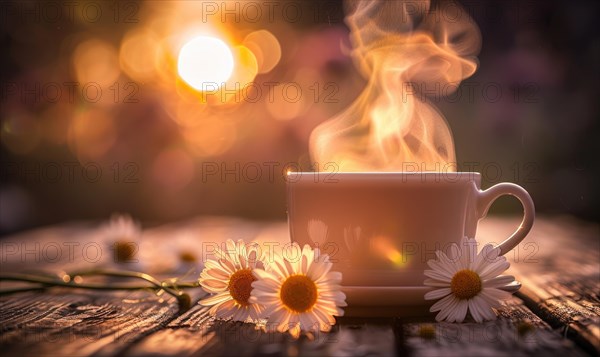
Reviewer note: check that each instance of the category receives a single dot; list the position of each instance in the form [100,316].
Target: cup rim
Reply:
[295,176]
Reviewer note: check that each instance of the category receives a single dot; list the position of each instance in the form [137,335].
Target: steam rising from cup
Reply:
[402,48]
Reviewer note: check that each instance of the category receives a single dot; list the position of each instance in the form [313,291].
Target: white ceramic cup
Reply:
[381,228]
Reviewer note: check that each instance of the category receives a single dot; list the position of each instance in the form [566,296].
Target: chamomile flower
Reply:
[123,234]
[468,281]
[300,294]
[230,278]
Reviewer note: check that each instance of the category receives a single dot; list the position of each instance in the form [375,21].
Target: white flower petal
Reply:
[330,298]
[442,268]
[323,316]
[452,256]
[442,304]
[332,277]
[217,273]
[332,295]
[494,269]
[448,309]
[292,266]
[498,281]
[272,310]
[468,252]
[213,283]
[216,299]
[261,274]
[489,253]
[433,282]
[318,269]
[434,274]
[474,312]
[482,259]
[484,309]
[256,311]
[228,265]
[239,314]
[225,310]
[215,278]
[460,311]
[496,294]
[306,323]
[437,294]
[279,269]
[265,285]
[278,316]
[295,330]
[488,264]
[308,257]
[243,261]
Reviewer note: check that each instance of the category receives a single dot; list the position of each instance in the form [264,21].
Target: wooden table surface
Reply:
[557,311]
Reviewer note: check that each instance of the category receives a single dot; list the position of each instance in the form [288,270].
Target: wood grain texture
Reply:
[556,312]
[516,332]
[559,266]
[201,335]
[68,323]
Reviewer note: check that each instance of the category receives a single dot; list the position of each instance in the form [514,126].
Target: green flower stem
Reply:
[183,299]
[26,278]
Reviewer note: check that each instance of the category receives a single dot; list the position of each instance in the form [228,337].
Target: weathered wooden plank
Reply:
[78,322]
[559,266]
[354,336]
[516,332]
[67,323]
[197,334]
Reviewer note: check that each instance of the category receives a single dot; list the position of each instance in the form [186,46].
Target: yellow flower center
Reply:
[427,332]
[187,257]
[240,286]
[124,251]
[465,284]
[298,293]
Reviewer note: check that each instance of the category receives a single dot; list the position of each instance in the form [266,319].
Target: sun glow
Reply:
[205,62]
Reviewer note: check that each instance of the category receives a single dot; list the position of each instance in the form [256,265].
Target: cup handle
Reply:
[487,197]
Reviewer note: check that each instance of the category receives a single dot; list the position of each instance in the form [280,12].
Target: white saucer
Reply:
[396,295]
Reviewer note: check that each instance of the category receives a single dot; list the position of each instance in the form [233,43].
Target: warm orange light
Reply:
[265,47]
[205,62]
[96,62]
[391,123]
[385,246]
[138,54]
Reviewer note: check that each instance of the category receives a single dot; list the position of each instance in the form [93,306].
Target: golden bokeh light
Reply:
[205,62]
[239,86]
[237,90]
[211,137]
[189,113]
[96,62]
[287,101]
[138,55]
[265,47]
[91,134]
[386,247]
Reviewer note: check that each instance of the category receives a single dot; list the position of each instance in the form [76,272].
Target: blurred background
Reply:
[99,114]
